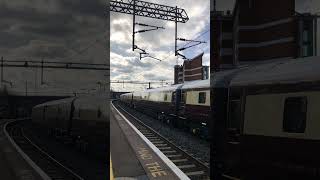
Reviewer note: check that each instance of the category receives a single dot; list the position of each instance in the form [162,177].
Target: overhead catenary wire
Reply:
[203,33]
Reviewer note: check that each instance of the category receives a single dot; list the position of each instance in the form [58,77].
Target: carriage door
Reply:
[233,132]
[183,101]
[174,100]
[234,117]
[176,97]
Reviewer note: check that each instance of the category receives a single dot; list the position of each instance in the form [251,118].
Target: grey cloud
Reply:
[11,40]
[48,51]
[31,15]
[153,76]
[52,30]
[61,30]
[89,7]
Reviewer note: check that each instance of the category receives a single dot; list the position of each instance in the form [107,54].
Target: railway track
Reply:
[42,162]
[191,166]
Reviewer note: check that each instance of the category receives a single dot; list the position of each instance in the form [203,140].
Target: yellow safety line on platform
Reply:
[111,170]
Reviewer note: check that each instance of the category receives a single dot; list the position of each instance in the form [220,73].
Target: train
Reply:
[79,121]
[262,120]
[186,106]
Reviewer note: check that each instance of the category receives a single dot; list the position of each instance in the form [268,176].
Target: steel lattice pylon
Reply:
[150,10]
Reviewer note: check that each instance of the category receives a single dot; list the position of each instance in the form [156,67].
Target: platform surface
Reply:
[124,160]
[131,155]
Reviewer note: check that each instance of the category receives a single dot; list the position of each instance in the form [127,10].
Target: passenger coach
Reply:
[82,121]
[272,122]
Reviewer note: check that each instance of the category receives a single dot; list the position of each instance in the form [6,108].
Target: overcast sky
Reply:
[55,30]
[125,64]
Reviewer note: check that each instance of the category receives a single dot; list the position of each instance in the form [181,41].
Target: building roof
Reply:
[282,72]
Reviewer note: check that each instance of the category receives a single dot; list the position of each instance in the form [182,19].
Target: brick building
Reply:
[191,70]
[257,31]
[222,36]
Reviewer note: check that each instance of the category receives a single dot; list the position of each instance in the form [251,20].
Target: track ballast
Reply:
[190,165]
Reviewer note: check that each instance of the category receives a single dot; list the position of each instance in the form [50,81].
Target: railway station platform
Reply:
[12,164]
[133,157]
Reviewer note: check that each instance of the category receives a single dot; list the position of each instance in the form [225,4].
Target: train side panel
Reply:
[196,110]
[155,103]
[285,139]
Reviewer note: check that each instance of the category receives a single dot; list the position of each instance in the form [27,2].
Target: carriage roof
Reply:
[196,84]
[222,79]
[283,72]
[166,88]
[54,102]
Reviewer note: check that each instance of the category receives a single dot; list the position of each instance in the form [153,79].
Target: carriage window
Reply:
[202,98]
[235,114]
[294,116]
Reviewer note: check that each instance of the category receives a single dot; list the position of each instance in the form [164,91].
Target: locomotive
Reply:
[183,105]
[81,121]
